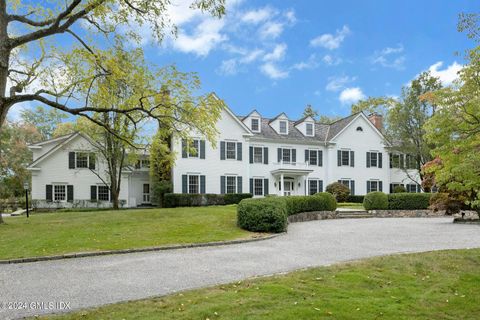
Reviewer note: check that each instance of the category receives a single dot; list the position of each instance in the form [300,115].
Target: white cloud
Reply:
[228,67]
[252,56]
[311,63]
[331,61]
[337,83]
[390,57]
[271,30]
[204,38]
[257,16]
[447,75]
[290,16]
[351,95]
[277,54]
[330,41]
[273,71]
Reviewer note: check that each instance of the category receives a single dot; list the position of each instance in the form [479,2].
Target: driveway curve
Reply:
[94,281]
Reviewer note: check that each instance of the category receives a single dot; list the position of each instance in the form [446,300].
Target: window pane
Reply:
[258,187]
[313,187]
[257,155]
[103,193]
[194,149]
[283,127]
[231,184]
[231,148]
[59,192]
[286,155]
[193,184]
[373,186]
[345,158]
[145,163]
[254,124]
[313,157]
[309,129]
[82,160]
[373,159]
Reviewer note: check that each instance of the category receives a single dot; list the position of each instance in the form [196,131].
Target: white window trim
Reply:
[306,129]
[197,155]
[341,157]
[377,187]
[88,158]
[53,192]
[280,127]
[188,183]
[261,154]
[290,156]
[98,192]
[251,124]
[263,187]
[235,179]
[318,185]
[315,151]
[234,150]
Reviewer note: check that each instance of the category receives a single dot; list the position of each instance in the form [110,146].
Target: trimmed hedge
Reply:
[409,201]
[262,215]
[270,214]
[172,200]
[376,200]
[355,199]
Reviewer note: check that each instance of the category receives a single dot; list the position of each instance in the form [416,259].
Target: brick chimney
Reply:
[377,120]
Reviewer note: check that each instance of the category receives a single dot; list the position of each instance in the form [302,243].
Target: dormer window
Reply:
[309,129]
[255,125]
[283,127]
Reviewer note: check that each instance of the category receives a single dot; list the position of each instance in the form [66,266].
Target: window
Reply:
[231,150]
[193,184]
[59,192]
[103,193]
[410,161]
[374,159]
[286,155]
[345,182]
[313,157]
[309,129]
[146,193]
[374,185]
[283,127]
[411,187]
[345,156]
[194,150]
[145,163]
[350,184]
[359,129]
[231,184]
[258,187]
[314,186]
[82,159]
[396,160]
[255,125]
[257,155]
[394,185]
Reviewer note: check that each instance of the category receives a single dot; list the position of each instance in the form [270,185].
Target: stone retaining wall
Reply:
[407,213]
[314,215]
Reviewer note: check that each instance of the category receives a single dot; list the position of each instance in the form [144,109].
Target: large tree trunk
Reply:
[4,60]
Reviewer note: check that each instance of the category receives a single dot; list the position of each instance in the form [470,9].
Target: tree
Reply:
[46,121]
[454,132]
[328,119]
[161,164]
[34,67]
[310,112]
[405,119]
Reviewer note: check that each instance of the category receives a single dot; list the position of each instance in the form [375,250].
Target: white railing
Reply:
[291,165]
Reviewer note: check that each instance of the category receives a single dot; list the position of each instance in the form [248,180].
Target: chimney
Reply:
[377,120]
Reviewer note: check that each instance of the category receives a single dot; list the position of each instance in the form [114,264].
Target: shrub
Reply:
[319,202]
[444,201]
[408,201]
[375,201]
[339,191]
[328,201]
[399,189]
[355,199]
[262,215]
[159,189]
[234,198]
[172,200]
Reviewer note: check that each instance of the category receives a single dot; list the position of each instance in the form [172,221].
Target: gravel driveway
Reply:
[93,281]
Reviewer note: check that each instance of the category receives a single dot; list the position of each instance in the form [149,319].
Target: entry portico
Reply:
[290,180]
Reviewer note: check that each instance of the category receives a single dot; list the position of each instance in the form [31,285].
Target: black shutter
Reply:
[184,183]
[251,154]
[352,187]
[48,193]
[265,155]
[390,156]
[91,161]
[93,192]
[402,161]
[320,185]
[239,151]
[294,155]
[380,186]
[368,159]
[419,188]
[265,187]
[239,185]
[222,184]
[352,159]
[320,158]
[202,149]
[339,158]
[368,187]
[71,160]
[70,193]
[184,148]
[222,150]
[391,187]
[380,159]
[307,159]
[202,184]
[279,154]
[251,185]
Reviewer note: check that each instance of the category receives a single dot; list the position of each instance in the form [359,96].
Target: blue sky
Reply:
[279,56]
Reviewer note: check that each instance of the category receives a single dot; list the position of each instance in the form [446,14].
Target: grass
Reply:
[67,232]
[433,285]
[350,205]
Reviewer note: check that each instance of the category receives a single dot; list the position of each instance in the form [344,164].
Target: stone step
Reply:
[354,216]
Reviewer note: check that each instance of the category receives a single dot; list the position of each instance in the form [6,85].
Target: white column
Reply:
[282,186]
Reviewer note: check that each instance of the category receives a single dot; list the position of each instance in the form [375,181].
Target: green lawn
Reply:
[434,285]
[350,205]
[68,232]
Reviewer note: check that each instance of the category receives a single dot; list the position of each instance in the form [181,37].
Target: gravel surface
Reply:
[94,281]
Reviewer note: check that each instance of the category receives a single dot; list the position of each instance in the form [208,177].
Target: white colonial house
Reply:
[253,154]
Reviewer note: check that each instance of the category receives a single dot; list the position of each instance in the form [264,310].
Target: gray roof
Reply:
[338,125]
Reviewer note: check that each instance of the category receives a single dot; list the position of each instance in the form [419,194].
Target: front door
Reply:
[287,188]
[146,193]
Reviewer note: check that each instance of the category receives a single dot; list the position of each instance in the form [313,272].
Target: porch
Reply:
[290,181]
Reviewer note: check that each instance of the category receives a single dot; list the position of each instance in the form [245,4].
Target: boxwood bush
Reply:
[408,201]
[172,200]
[375,201]
[262,215]
[355,199]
